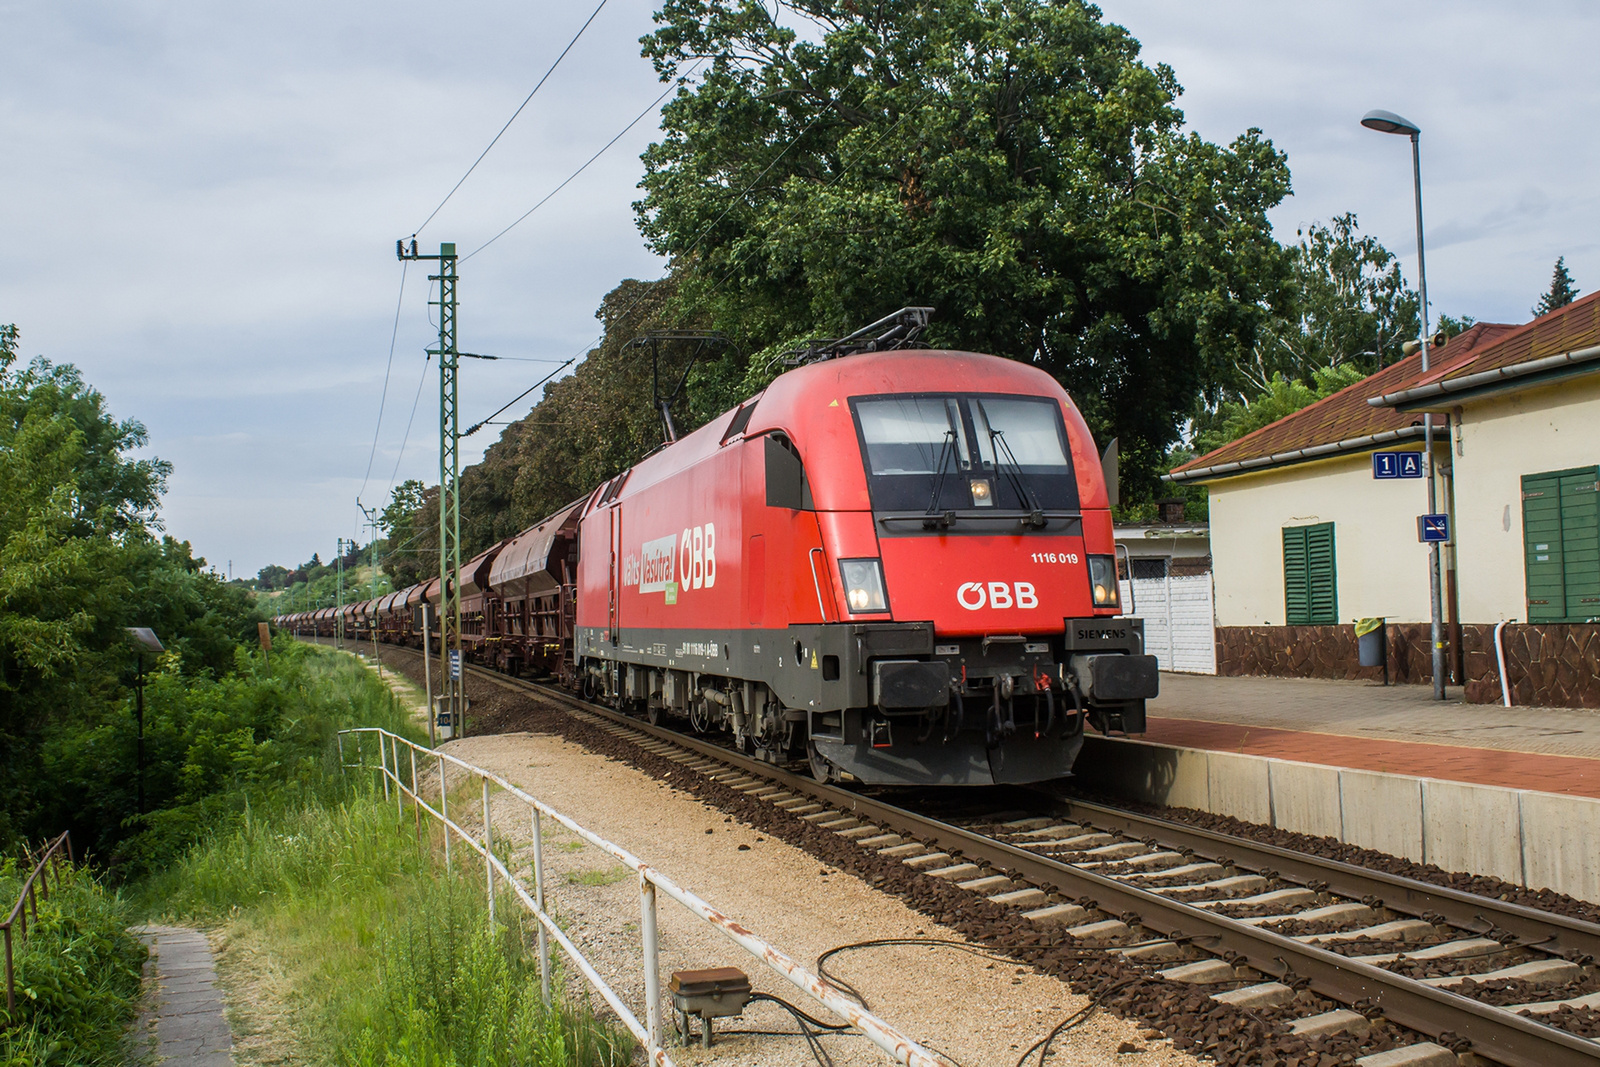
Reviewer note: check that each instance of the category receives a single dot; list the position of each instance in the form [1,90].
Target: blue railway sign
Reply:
[455,664]
[1431,528]
[1387,465]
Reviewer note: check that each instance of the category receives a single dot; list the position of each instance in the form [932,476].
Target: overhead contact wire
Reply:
[569,178]
[426,361]
[510,120]
[383,399]
[733,202]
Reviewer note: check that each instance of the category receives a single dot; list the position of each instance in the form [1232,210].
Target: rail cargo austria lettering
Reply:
[651,570]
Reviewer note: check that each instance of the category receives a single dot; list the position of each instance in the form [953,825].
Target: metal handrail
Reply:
[897,1045]
[29,898]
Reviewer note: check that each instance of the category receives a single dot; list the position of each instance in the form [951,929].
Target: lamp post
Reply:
[144,640]
[1389,122]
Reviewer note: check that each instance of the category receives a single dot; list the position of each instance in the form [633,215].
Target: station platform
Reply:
[1392,729]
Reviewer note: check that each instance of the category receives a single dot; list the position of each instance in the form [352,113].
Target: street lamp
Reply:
[1389,122]
[144,640]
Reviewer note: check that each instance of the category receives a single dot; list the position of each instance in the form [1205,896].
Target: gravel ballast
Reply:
[1184,1013]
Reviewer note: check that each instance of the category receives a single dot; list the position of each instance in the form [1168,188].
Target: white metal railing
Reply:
[898,1046]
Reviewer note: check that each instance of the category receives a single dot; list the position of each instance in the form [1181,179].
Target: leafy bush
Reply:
[213,747]
[77,975]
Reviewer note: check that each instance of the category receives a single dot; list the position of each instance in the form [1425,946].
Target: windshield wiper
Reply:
[932,519]
[1007,461]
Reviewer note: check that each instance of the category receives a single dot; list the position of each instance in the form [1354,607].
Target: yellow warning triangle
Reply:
[813,659]
[834,404]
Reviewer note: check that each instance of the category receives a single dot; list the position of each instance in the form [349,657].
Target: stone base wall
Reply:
[1553,664]
[1321,652]
[1550,664]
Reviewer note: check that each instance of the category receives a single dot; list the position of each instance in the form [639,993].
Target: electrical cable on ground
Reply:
[887,942]
[805,1022]
[1042,1046]
[510,120]
[1077,1018]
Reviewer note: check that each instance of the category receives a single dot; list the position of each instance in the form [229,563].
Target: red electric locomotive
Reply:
[898,565]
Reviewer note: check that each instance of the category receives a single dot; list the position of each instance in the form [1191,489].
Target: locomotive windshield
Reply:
[939,453]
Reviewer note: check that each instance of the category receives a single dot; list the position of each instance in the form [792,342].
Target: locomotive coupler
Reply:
[1002,720]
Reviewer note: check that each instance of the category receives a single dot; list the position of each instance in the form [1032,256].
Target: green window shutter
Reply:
[1296,591]
[1561,544]
[1542,547]
[1310,580]
[1580,544]
[1322,575]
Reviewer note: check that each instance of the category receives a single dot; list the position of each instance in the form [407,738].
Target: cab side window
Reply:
[787,486]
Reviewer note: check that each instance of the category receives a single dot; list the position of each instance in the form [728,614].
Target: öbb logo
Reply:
[974,595]
[697,557]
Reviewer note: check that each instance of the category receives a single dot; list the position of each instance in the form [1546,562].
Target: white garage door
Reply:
[1178,620]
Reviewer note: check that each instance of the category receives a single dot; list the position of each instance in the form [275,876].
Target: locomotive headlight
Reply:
[1103,581]
[863,585]
[982,493]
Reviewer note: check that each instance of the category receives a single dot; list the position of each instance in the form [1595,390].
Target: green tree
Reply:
[1451,326]
[586,427]
[1561,293]
[79,561]
[1348,305]
[1281,397]
[413,540]
[1010,162]
[272,576]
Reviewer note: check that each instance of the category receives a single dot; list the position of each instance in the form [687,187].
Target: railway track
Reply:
[1322,946]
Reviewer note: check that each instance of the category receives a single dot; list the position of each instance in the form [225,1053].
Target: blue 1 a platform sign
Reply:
[1396,465]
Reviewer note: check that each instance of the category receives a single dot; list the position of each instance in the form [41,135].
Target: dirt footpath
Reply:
[978,1010]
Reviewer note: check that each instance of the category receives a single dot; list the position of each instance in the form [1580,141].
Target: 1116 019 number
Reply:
[1055,557]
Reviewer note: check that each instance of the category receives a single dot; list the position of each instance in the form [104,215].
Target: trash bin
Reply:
[1371,645]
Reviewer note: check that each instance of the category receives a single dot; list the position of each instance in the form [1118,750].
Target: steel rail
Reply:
[1492,1031]
[1546,931]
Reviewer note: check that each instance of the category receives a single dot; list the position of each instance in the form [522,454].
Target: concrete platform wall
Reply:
[1540,840]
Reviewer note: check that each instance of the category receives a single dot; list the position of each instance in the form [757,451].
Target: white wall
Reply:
[1550,428]
[1382,570]
[1177,614]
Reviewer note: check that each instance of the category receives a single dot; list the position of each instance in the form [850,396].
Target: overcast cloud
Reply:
[199,202]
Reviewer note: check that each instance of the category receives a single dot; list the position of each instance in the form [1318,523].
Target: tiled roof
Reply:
[1346,414]
[1573,327]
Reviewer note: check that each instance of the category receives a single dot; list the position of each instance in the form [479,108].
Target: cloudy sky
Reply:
[199,201]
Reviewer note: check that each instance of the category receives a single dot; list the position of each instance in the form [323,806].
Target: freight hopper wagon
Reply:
[896,565]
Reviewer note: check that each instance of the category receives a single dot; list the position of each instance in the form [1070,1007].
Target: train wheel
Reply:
[821,769]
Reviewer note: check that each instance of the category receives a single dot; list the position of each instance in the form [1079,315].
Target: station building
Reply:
[1306,538]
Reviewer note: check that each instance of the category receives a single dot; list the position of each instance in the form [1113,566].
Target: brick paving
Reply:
[181,994]
[1397,729]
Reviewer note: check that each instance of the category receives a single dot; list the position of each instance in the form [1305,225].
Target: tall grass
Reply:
[77,975]
[393,959]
